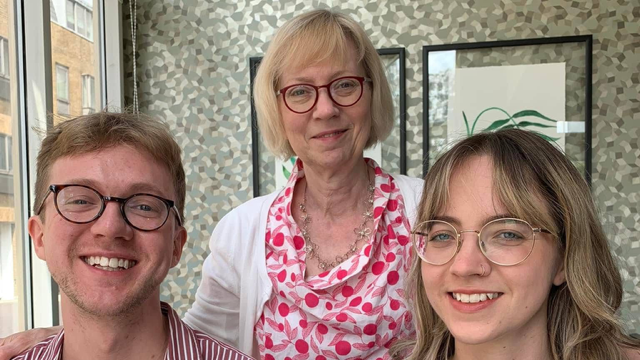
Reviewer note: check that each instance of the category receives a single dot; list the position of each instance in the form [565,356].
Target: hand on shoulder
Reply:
[631,354]
[17,343]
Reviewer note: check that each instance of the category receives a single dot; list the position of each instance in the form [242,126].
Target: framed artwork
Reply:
[541,85]
[271,173]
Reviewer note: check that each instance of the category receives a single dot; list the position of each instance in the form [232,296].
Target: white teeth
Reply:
[109,264]
[474,298]
[329,135]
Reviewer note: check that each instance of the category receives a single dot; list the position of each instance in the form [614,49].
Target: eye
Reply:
[78,201]
[345,84]
[509,235]
[143,207]
[299,91]
[440,237]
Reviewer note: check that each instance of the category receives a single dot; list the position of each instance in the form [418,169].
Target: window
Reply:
[5,153]
[88,95]
[28,296]
[79,16]
[5,86]
[62,89]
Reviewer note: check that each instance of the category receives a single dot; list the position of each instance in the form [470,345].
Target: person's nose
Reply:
[111,224]
[470,260]
[325,107]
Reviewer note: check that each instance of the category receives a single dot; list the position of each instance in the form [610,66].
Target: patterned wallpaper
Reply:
[193,72]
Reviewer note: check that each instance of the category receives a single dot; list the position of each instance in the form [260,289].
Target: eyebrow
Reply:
[455,221]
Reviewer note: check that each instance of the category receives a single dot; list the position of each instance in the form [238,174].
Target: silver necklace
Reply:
[362,232]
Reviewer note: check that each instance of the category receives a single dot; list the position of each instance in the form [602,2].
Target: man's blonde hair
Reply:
[103,130]
[309,39]
[527,169]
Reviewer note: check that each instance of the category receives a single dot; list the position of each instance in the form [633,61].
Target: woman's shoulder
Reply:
[251,209]
[408,180]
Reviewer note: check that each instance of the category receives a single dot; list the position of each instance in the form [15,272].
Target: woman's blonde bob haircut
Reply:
[310,39]
[528,171]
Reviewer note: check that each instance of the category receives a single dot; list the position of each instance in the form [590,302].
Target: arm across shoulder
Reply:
[17,343]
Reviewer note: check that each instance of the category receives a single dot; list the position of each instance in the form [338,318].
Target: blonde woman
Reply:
[512,261]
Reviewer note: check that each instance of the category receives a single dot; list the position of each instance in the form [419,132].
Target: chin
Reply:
[472,335]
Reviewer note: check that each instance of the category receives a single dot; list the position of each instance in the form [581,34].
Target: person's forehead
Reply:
[121,168]
[309,55]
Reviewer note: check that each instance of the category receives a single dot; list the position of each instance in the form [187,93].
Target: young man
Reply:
[110,193]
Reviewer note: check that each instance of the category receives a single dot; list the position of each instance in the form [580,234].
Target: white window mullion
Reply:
[36,59]
[111,79]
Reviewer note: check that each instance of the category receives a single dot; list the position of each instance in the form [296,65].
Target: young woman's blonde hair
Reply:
[104,130]
[310,39]
[527,169]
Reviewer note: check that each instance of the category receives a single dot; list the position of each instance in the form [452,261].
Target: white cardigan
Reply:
[235,285]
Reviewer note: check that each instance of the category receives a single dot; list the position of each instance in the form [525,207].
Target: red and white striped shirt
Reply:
[185,343]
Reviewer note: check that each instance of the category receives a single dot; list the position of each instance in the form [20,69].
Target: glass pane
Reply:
[3,153]
[89,23]
[77,52]
[88,94]
[80,20]
[71,22]
[62,83]
[11,248]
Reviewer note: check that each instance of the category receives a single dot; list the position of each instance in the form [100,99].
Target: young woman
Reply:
[512,260]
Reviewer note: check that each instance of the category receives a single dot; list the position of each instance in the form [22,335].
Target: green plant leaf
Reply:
[524,113]
[534,124]
[496,125]
[473,127]
[466,123]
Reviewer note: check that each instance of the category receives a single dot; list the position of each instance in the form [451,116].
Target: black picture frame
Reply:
[254,62]
[583,40]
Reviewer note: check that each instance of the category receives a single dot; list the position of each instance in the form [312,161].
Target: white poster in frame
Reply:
[528,96]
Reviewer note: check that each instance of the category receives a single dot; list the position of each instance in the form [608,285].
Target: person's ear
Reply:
[179,239]
[36,231]
[559,277]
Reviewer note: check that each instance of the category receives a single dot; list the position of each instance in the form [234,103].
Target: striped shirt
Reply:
[185,343]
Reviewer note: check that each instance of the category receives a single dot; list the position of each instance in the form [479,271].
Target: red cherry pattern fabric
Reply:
[354,311]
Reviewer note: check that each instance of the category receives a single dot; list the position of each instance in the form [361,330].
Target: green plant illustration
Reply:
[285,171]
[513,121]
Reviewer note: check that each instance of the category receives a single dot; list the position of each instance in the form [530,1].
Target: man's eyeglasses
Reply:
[344,91]
[81,204]
[505,242]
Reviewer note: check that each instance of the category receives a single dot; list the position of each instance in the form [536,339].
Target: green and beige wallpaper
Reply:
[193,72]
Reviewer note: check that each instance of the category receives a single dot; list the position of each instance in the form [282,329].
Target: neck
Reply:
[529,346]
[336,191]
[140,334]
